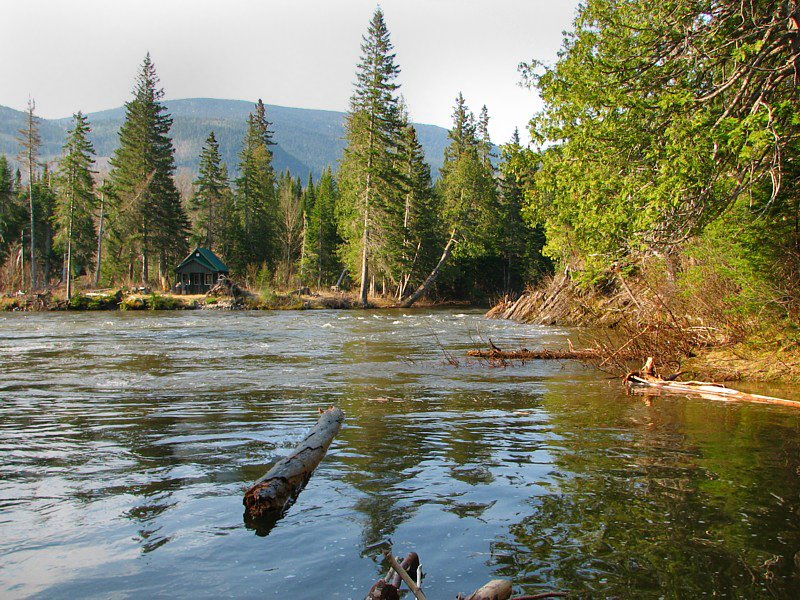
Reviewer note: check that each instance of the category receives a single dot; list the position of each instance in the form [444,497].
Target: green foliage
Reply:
[76,203]
[255,210]
[148,221]
[370,210]
[662,117]
[209,202]
[94,301]
[159,302]
[322,264]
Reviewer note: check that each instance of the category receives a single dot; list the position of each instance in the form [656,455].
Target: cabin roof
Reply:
[206,258]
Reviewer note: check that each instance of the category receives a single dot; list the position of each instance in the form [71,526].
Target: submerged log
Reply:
[648,377]
[272,492]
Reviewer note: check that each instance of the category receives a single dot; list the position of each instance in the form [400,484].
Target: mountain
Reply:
[307,140]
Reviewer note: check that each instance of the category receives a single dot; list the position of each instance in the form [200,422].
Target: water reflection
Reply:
[127,446]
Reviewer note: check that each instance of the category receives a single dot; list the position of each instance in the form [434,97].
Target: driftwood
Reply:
[497,589]
[388,587]
[271,493]
[525,354]
[648,377]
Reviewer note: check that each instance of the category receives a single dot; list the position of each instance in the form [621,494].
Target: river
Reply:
[128,439]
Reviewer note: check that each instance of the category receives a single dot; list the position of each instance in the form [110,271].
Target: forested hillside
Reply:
[306,140]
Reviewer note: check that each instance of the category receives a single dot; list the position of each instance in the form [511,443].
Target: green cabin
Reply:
[199,272]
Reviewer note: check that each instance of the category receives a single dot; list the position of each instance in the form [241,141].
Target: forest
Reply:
[665,154]
[379,215]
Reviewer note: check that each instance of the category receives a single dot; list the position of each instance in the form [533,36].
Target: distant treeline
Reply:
[380,217]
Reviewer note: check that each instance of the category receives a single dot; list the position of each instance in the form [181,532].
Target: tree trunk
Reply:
[426,285]
[100,240]
[286,478]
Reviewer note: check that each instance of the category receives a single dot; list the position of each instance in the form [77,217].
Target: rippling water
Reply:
[128,439]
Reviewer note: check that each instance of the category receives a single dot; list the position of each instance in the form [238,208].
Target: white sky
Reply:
[71,55]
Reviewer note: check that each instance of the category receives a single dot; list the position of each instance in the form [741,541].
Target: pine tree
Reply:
[150,221]
[75,200]
[371,193]
[30,141]
[211,189]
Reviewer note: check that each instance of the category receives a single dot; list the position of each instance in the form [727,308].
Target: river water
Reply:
[128,439]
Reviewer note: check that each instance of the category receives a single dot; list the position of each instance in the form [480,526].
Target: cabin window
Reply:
[209,280]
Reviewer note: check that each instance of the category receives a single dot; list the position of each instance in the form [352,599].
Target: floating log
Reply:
[271,493]
[648,377]
[525,354]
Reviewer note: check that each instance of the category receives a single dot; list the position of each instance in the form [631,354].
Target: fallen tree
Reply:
[649,377]
[270,494]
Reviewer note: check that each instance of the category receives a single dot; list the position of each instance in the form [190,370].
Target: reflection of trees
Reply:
[402,453]
[678,506]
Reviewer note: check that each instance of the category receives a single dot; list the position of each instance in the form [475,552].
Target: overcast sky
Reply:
[71,55]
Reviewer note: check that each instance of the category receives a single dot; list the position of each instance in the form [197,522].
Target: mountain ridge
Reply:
[307,140]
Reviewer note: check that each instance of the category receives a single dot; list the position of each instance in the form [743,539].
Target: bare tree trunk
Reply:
[429,281]
[100,240]
[363,298]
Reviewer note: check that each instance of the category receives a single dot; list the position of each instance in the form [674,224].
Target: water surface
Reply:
[128,440]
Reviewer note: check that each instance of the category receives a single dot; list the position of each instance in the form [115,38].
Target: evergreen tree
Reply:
[75,199]
[150,221]
[520,243]
[9,210]
[45,202]
[211,188]
[322,238]
[420,232]
[469,199]
[256,201]
[30,141]
[371,207]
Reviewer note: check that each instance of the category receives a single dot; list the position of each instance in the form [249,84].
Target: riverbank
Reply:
[687,332]
[116,299]
[145,299]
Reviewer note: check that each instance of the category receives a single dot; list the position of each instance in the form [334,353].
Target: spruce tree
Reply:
[75,200]
[256,200]
[371,193]
[150,222]
[211,189]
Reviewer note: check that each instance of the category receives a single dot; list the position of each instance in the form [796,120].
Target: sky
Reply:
[71,55]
